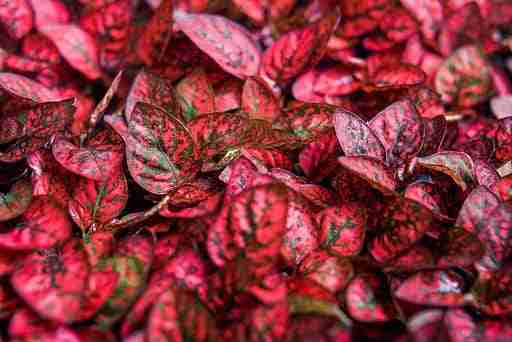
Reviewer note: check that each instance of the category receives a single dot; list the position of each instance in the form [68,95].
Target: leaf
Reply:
[39,124]
[433,137]
[160,152]
[372,171]
[157,34]
[252,228]
[405,222]
[342,229]
[331,272]
[397,76]
[25,92]
[309,121]
[16,17]
[196,95]
[400,130]
[434,324]
[258,100]
[355,136]
[457,247]
[367,299]
[477,207]
[228,43]
[185,270]
[98,201]
[318,158]
[131,277]
[154,90]
[457,165]
[178,315]
[43,225]
[429,196]
[16,201]
[49,11]
[76,46]
[216,133]
[337,80]
[52,281]
[301,237]
[464,78]
[98,162]
[439,288]
[300,49]
[228,95]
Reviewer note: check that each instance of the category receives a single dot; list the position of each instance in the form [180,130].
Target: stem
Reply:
[131,221]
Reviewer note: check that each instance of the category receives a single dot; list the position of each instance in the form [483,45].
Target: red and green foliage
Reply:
[260,170]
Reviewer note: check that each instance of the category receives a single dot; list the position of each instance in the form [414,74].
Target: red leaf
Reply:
[355,136]
[40,123]
[336,80]
[405,222]
[98,201]
[298,50]
[367,299]
[238,53]
[43,225]
[342,229]
[258,100]
[49,11]
[178,315]
[52,281]
[397,76]
[196,95]
[440,288]
[154,90]
[160,152]
[76,46]
[400,130]
[157,34]
[464,78]
[16,17]
[98,162]
[331,272]
[457,165]
[372,171]
[16,201]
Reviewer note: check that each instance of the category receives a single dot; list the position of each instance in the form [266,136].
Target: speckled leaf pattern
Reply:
[160,152]
[318,158]
[477,208]
[397,76]
[43,225]
[429,195]
[154,90]
[76,46]
[435,130]
[52,281]
[405,222]
[457,165]
[367,299]
[98,201]
[355,136]
[16,201]
[464,78]
[372,170]
[331,272]
[342,229]
[38,125]
[258,101]
[457,247]
[157,34]
[299,49]
[228,43]
[196,95]
[400,130]
[218,132]
[439,288]
[179,315]
[16,17]
[310,121]
[301,237]
[96,163]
